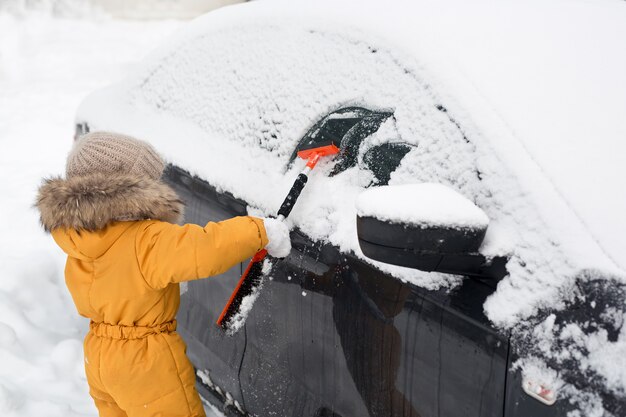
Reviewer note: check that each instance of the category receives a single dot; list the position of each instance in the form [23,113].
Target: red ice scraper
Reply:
[252,278]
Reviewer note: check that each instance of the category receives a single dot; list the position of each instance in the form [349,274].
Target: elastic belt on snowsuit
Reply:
[116,331]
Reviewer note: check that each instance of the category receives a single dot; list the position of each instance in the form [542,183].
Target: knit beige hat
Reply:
[108,153]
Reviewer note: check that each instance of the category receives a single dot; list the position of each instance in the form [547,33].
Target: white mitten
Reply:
[279,244]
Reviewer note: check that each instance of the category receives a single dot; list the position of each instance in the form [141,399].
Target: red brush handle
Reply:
[259,256]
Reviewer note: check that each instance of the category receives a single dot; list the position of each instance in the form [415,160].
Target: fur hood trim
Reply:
[91,202]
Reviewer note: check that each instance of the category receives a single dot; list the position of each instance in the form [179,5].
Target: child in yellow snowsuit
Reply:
[116,220]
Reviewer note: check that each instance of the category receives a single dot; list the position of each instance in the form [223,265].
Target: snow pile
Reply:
[41,359]
[423,205]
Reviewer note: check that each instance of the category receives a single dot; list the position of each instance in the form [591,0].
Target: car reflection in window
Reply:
[364,308]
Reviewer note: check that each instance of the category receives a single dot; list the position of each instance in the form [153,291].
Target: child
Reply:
[115,219]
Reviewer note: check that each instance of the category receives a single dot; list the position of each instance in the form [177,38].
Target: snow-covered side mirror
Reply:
[424,226]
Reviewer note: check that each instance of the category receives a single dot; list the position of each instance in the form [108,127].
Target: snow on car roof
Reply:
[516,105]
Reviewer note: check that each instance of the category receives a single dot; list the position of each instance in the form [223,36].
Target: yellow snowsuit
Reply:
[125,278]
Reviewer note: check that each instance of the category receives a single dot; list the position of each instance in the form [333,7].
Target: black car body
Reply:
[330,335]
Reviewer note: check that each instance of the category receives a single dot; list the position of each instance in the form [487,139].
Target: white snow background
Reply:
[538,83]
[47,65]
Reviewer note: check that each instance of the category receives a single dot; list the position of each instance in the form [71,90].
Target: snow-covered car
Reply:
[481,153]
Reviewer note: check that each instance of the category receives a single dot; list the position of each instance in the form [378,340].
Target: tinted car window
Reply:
[349,128]
[383,159]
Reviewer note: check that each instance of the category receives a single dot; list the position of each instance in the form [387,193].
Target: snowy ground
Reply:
[47,65]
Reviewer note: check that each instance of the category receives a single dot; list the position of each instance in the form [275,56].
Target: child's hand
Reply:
[279,244]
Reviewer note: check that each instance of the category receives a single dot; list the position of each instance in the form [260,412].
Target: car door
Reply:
[331,335]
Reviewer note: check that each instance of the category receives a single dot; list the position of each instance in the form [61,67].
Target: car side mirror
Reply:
[427,226]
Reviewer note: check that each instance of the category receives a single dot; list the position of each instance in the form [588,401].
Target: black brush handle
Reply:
[293,195]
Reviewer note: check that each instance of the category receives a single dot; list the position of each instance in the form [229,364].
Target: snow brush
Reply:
[245,293]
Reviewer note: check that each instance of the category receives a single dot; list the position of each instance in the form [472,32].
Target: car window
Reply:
[351,128]
[382,160]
